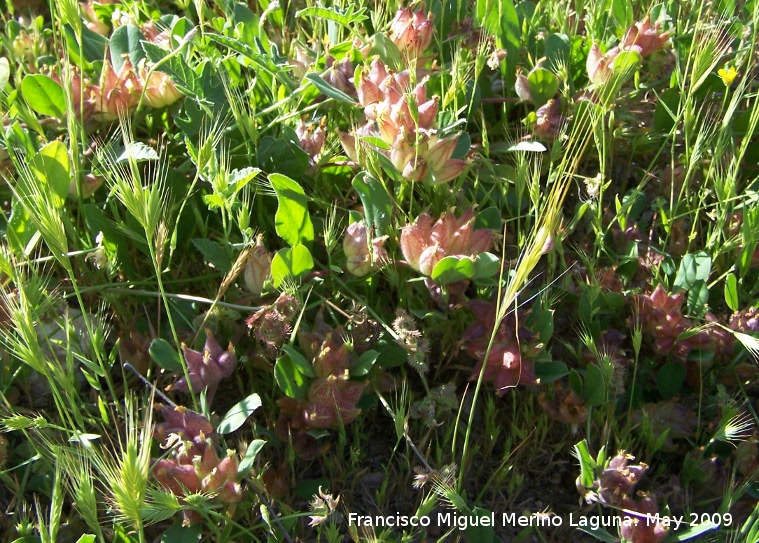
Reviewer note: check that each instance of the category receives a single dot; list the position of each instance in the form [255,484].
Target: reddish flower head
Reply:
[119,92]
[160,90]
[362,257]
[208,368]
[193,465]
[644,38]
[311,137]
[598,65]
[411,31]
[660,316]
[644,527]
[424,244]
[619,478]
[331,400]
[507,365]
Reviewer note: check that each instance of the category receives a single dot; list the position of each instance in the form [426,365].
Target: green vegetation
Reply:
[456,271]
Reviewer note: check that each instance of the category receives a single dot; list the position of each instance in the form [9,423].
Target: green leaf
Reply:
[622,12]
[698,298]
[86,538]
[575,381]
[558,51]
[137,151]
[624,66]
[601,458]
[377,142]
[667,266]
[701,356]
[293,223]
[665,114]
[540,321]
[303,365]
[454,498]
[452,269]
[51,167]
[381,160]
[275,66]
[463,144]
[670,379]
[214,201]
[284,156]
[292,382]
[238,414]
[98,222]
[387,51]
[328,90]
[692,532]
[594,392]
[378,207]
[481,534]
[165,355]
[526,10]
[391,354]
[43,95]
[486,265]
[104,12]
[239,177]
[214,253]
[290,262]
[693,267]
[126,42]
[364,364]
[179,533]
[543,86]
[250,456]
[21,233]
[246,24]
[93,45]
[500,19]
[614,301]
[181,74]
[731,292]
[488,218]
[587,464]
[548,372]
[346,18]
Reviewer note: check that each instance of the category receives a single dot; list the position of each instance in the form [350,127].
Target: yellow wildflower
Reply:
[727,76]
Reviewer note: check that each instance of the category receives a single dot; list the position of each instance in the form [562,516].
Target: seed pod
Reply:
[258,268]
